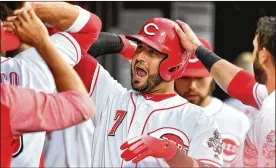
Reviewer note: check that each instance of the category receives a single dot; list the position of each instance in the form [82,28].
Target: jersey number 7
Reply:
[119,116]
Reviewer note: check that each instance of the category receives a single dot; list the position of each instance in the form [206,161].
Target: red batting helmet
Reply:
[160,34]
[195,68]
[8,41]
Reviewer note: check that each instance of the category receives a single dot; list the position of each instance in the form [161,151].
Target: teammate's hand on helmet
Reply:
[128,49]
[188,38]
[139,148]
[28,27]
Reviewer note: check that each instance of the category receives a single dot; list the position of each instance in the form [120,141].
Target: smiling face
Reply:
[145,68]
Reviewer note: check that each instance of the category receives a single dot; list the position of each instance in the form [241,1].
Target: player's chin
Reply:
[139,86]
[192,100]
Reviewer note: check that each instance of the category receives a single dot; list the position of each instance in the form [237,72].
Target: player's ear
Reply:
[264,55]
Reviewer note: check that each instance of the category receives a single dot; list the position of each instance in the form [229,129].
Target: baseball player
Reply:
[244,61]
[43,111]
[259,150]
[196,85]
[28,69]
[149,126]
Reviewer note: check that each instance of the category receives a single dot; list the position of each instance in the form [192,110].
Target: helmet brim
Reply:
[8,40]
[155,45]
[196,73]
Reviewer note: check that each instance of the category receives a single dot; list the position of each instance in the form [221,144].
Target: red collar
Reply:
[157,97]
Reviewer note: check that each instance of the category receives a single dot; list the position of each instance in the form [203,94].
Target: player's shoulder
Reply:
[232,112]
[195,113]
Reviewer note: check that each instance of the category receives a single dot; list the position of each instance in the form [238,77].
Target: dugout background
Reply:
[229,26]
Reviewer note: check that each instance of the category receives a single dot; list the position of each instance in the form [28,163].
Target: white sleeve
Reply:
[259,146]
[266,142]
[206,143]
[259,93]
[63,42]
[67,46]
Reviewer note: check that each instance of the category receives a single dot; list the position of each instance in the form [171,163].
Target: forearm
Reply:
[48,112]
[65,76]
[58,14]
[222,71]
[182,160]
[109,43]
[233,80]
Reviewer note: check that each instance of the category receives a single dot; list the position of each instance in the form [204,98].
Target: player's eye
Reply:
[153,52]
[139,47]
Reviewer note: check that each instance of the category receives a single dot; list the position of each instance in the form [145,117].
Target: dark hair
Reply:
[7,8]
[266,31]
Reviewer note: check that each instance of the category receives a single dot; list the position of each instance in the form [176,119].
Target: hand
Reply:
[129,48]
[143,146]
[24,6]
[188,38]
[28,27]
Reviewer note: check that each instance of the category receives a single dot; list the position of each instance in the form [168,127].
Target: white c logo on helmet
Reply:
[146,29]
[193,60]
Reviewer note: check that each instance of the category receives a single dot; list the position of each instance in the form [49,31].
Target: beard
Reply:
[201,97]
[152,82]
[260,75]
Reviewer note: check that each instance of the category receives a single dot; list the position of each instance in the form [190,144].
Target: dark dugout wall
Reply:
[235,26]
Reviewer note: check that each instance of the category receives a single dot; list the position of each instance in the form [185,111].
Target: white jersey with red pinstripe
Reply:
[122,115]
[249,111]
[29,70]
[233,126]
[259,150]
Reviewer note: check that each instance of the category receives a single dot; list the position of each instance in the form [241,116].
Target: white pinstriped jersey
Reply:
[233,126]
[122,115]
[259,148]
[249,111]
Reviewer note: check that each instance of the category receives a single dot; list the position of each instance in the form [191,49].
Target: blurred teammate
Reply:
[23,110]
[149,126]
[259,150]
[244,61]
[28,69]
[196,85]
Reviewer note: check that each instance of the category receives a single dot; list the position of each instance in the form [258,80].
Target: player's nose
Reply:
[192,84]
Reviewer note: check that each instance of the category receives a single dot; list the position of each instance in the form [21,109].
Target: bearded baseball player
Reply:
[259,150]
[29,70]
[149,126]
[196,85]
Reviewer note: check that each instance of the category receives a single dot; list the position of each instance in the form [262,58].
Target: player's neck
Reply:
[164,88]
[206,101]
[270,85]
[2,53]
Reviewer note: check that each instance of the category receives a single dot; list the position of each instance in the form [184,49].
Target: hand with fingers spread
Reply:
[143,146]
[188,38]
[28,27]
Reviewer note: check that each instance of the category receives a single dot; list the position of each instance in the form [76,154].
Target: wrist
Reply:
[40,44]
[170,150]
[129,48]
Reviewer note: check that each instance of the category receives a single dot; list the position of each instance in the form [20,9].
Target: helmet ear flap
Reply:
[173,69]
